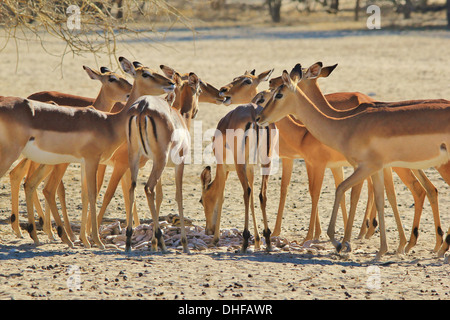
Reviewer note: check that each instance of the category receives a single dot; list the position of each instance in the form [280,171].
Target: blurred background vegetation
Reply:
[104,23]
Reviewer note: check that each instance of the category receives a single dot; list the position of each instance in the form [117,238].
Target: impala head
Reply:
[283,99]
[208,200]
[262,97]
[146,81]
[314,72]
[208,92]
[243,88]
[114,86]
[187,93]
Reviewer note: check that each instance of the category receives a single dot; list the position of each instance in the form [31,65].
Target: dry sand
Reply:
[388,65]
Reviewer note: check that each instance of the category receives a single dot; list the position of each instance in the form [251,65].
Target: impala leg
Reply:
[15,177]
[338,175]
[36,202]
[378,187]
[263,202]
[356,178]
[125,182]
[366,221]
[91,181]
[100,176]
[250,176]
[418,193]
[390,192]
[59,224]
[241,173]
[315,180]
[219,205]
[354,198]
[445,245]
[444,171]
[159,195]
[179,198]
[432,194]
[84,215]
[116,176]
[9,154]
[129,232]
[373,223]
[39,211]
[133,160]
[287,165]
[155,175]
[52,186]
[30,185]
[47,214]
[61,191]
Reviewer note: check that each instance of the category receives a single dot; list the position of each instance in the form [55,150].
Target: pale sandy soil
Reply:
[388,66]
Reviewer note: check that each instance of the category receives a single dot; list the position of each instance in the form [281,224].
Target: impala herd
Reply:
[129,124]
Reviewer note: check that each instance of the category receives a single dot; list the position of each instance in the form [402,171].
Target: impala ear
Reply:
[327,70]
[127,66]
[296,73]
[104,69]
[205,177]
[93,74]
[287,81]
[137,64]
[177,79]
[264,76]
[168,71]
[250,72]
[260,98]
[193,80]
[313,72]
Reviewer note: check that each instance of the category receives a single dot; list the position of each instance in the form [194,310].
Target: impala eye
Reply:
[278,96]
[112,79]
[146,75]
[247,81]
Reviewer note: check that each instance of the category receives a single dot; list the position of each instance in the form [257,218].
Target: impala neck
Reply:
[218,182]
[134,95]
[103,102]
[313,92]
[319,124]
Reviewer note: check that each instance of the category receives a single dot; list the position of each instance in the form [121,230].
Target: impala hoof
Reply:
[348,247]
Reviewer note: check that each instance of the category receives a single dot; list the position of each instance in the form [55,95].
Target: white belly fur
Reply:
[32,152]
[443,158]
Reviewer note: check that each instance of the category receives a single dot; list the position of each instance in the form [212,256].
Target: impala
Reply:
[114,90]
[157,131]
[208,93]
[243,88]
[345,104]
[242,151]
[413,136]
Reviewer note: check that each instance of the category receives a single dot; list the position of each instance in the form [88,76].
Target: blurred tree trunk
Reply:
[448,14]
[357,10]
[217,4]
[275,10]
[334,6]
[119,14]
[407,9]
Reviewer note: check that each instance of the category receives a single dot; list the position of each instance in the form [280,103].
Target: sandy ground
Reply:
[387,65]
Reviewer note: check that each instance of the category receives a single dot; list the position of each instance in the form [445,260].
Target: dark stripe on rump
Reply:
[142,138]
